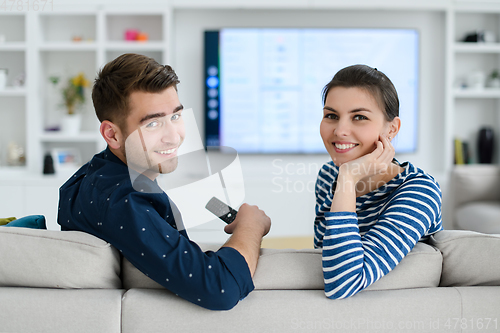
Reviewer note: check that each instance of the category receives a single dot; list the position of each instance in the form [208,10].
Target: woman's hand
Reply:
[350,173]
[377,162]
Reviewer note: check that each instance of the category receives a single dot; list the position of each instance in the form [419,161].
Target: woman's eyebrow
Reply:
[327,108]
[359,110]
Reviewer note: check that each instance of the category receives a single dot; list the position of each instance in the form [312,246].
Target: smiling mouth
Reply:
[344,146]
[166,152]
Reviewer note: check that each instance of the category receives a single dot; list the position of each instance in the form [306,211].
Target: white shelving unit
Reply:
[469,109]
[13,100]
[62,44]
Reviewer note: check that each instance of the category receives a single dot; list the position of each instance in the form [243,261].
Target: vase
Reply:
[485,145]
[71,123]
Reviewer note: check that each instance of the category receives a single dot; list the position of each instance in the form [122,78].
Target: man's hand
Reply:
[251,215]
[250,225]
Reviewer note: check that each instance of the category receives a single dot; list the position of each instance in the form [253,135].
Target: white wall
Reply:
[283,185]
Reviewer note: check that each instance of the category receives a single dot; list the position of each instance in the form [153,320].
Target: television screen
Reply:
[263,86]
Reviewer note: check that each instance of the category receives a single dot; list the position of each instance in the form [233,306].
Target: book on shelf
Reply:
[462,155]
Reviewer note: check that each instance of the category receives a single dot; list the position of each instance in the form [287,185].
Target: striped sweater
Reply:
[359,248]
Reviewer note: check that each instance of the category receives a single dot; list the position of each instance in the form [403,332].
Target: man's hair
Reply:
[126,74]
[373,81]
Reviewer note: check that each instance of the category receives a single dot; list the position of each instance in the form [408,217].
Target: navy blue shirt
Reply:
[99,199]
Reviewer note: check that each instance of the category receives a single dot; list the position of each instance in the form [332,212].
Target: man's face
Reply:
[153,132]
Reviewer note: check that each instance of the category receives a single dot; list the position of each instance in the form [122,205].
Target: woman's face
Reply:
[352,124]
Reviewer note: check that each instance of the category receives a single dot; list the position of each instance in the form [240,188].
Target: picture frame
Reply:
[66,159]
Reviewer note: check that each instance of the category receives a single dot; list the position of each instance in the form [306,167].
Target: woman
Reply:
[371,210]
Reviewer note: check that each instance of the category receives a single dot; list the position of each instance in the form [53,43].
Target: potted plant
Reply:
[494,79]
[73,97]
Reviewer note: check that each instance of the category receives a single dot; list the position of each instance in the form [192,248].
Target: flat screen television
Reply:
[263,85]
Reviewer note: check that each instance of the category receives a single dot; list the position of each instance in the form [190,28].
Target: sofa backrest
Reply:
[302,269]
[56,259]
[71,259]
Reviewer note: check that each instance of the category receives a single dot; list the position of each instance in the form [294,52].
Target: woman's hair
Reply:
[126,74]
[373,81]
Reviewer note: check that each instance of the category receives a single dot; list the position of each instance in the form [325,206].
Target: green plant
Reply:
[495,74]
[74,92]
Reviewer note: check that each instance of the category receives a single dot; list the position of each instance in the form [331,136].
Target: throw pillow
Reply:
[6,220]
[31,221]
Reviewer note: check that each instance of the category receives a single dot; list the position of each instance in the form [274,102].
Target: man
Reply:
[135,98]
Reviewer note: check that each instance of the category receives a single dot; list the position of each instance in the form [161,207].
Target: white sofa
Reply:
[475,198]
[53,281]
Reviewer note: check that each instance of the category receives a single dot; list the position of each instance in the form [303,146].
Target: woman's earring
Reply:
[390,138]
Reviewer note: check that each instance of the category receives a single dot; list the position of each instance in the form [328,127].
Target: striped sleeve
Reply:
[352,262]
[324,196]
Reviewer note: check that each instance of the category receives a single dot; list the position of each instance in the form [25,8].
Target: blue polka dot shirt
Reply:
[141,222]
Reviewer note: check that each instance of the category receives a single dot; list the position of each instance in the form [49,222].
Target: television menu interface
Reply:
[263,86]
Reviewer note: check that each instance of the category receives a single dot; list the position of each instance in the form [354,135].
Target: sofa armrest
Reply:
[480,182]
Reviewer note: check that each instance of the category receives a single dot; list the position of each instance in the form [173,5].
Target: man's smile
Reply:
[167,151]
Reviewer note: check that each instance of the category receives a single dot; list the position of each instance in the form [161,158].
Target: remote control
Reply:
[221,210]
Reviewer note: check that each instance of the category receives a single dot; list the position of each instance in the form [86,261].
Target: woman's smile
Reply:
[344,147]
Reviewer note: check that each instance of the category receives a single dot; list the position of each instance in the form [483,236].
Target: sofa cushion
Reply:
[309,311]
[57,259]
[302,269]
[45,310]
[134,278]
[482,217]
[469,258]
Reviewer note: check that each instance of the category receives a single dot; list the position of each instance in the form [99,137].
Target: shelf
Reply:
[80,137]
[69,46]
[12,170]
[133,45]
[477,93]
[477,47]
[20,175]
[13,46]
[13,91]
